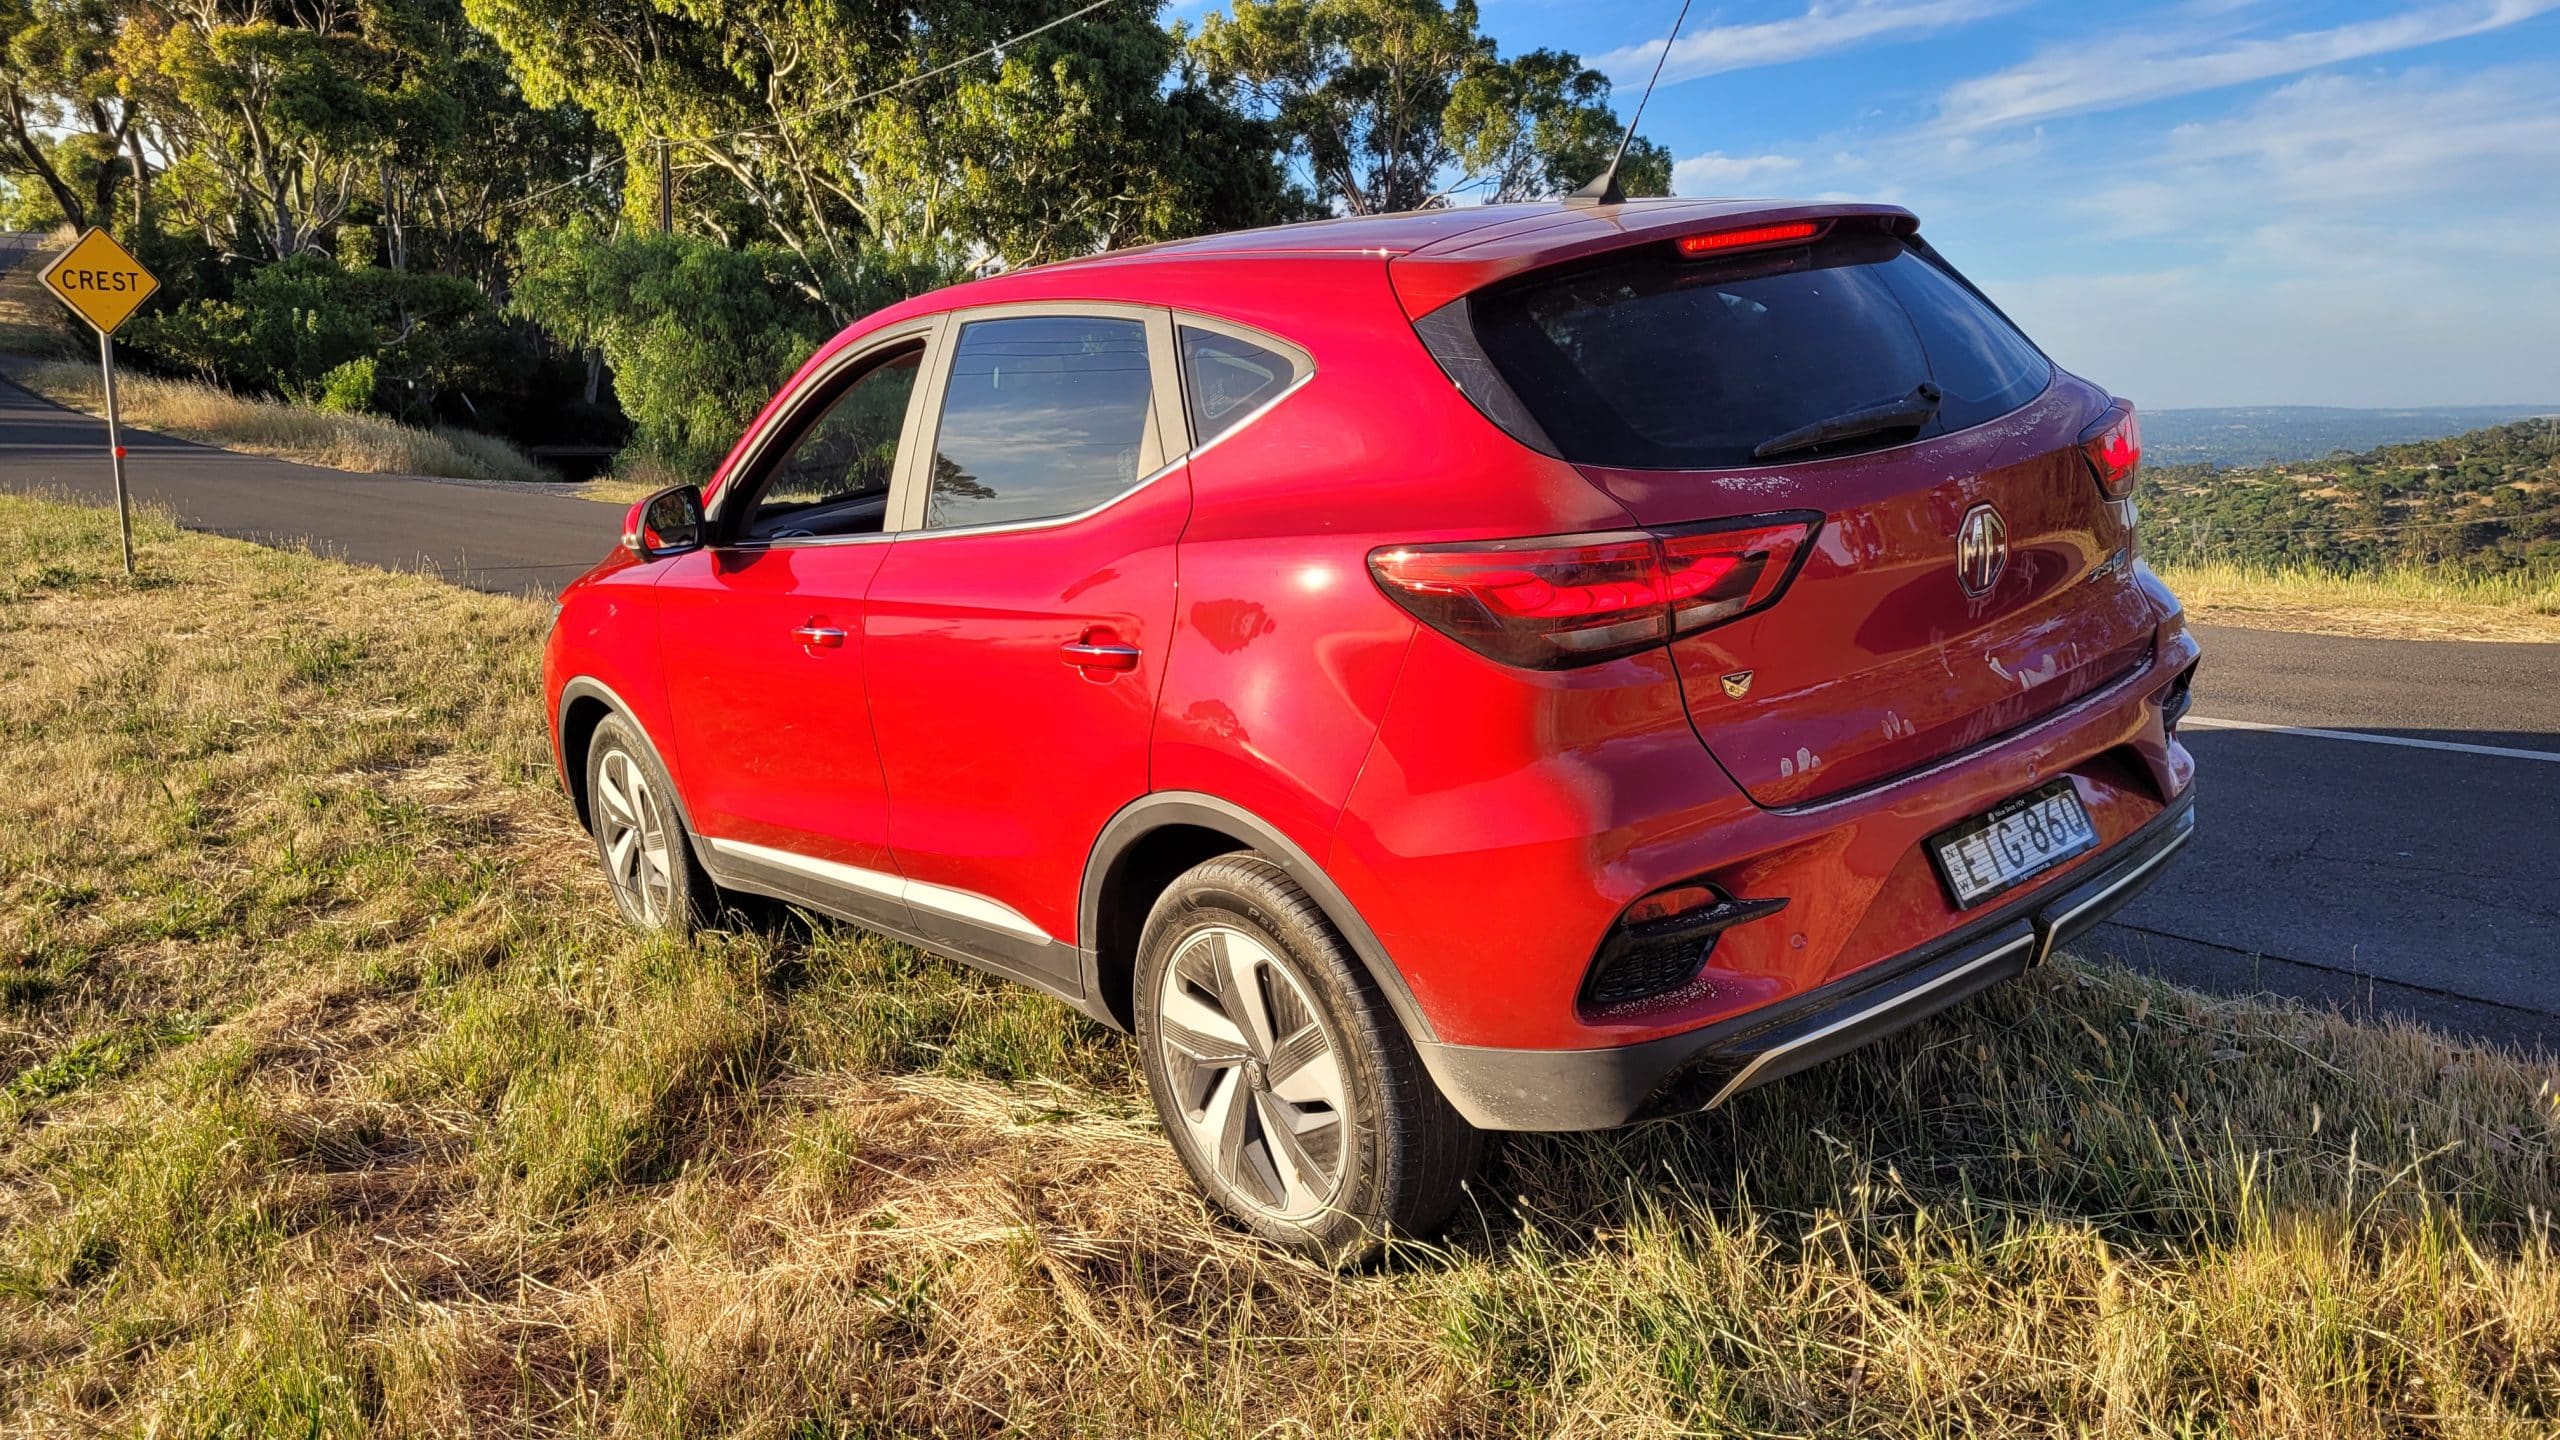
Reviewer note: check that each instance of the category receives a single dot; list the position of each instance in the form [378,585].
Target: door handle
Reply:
[819,637]
[1093,655]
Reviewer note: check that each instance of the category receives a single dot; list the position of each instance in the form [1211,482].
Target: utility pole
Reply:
[666,190]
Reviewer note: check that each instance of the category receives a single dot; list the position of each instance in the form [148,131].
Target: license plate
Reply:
[2019,839]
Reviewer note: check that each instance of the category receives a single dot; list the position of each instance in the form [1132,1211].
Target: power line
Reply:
[995,50]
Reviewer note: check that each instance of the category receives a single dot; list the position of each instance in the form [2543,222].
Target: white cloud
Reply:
[1716,173]
[2360,150]
[2105,72]
[1822,28]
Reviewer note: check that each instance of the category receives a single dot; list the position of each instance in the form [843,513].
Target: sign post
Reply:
[103,284]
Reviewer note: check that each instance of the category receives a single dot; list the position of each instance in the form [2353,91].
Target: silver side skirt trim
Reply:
[1742,1079]
[940,899]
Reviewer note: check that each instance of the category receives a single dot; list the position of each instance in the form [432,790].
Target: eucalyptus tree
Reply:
[1400,104]
[830,127]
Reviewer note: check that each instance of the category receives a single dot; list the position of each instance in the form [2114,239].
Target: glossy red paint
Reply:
[1488,823]
[1006,752]
[771,724]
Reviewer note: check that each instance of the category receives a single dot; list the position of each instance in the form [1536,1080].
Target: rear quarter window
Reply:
[1646,360]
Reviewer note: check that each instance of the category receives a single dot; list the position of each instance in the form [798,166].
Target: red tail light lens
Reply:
[1714,575]
[1559,601]
[2114,448]
[1718,242]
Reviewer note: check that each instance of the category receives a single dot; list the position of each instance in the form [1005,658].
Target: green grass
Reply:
[338,1105]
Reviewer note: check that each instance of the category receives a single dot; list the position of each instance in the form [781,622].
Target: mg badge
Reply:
[1982,550]
[1738,684]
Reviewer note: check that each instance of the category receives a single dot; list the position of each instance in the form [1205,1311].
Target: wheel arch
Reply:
[583,705]
[1156,838]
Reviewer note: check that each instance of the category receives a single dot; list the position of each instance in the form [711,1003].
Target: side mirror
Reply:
[667,523]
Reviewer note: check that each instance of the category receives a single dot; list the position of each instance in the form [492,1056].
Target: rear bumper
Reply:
[1505,1089]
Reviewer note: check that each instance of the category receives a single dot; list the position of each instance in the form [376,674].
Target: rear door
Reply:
[1969,577]
[1015,636]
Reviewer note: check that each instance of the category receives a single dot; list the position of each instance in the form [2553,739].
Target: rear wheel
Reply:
[647,857]
[1282,1076]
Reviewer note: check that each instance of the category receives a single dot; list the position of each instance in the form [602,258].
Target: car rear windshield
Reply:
[1647,360]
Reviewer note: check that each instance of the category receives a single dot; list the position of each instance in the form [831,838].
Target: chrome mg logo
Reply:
[1982,550]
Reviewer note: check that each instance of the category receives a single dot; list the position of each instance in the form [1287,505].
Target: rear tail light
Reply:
[1559,601]
[2113,446]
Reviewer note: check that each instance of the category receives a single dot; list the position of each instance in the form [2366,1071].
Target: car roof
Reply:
[1435,255]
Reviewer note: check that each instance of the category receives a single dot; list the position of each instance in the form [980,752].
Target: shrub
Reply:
[348,389]
[698,334]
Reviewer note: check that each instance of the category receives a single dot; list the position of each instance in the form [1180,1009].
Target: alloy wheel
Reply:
[1254,1071]
[632,830]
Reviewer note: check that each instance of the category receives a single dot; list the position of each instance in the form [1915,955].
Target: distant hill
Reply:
[2263,434]
[2485,502]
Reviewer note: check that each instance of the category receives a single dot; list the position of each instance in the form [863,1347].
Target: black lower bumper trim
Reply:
[1596,1089]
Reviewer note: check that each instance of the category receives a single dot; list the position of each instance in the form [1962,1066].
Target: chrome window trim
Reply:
[1007,527]
[759,442]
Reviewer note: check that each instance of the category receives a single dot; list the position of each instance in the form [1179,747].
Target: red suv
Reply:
[1425,674]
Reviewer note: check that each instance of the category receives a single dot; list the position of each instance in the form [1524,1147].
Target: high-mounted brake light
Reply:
[2113,446]
[1717,242]
[1559,601]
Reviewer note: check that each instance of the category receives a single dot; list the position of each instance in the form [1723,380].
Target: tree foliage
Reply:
[1398,104]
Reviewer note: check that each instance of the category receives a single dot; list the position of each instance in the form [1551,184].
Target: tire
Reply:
[640,837]
[1283,1077]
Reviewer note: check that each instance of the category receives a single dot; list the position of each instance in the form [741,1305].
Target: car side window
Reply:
[835,478]
[1043,415]
[1224,379]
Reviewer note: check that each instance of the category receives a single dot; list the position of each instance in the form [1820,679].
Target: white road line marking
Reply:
[2198,722]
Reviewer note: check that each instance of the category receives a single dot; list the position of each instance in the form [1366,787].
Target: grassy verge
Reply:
[2404,604]
[336,1106]
[208,413]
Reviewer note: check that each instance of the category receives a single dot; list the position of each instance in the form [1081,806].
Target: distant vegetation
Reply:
[2485,503]
[574,224]
[2263,434]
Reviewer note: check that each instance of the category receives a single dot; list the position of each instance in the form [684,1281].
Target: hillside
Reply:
[2266,434]
[2486,502]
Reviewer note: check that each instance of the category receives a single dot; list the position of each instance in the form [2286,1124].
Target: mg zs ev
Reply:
[1424,674]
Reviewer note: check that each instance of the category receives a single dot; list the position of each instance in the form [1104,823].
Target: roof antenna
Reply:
[1603,189]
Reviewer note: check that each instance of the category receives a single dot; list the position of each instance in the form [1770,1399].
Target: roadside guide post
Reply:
[103,284]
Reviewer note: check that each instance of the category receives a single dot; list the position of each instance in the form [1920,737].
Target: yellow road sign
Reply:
[97,278]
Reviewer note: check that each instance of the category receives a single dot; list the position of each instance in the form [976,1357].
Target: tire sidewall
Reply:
[1228,901]
[684,910]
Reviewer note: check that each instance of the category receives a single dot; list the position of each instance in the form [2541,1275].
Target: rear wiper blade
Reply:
[1908,413]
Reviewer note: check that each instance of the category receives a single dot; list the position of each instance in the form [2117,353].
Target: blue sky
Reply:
[2199,202]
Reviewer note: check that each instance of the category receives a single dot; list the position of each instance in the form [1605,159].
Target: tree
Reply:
[63,123]
[698,334]
[786,128]
[1402,104]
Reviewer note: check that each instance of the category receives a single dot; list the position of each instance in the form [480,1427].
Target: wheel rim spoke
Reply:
[1253,1072]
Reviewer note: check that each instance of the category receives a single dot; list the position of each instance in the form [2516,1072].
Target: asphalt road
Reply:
[2409,879]
[487,537]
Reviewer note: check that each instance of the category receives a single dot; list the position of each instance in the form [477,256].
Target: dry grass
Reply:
[337,1107]
[2399,604]
[208,413]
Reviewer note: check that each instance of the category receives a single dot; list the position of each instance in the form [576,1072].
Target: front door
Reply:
[1015,635]
[764,653]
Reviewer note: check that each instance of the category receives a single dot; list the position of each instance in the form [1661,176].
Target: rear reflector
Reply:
[1555,602]
[1717,242]
[2113,446]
